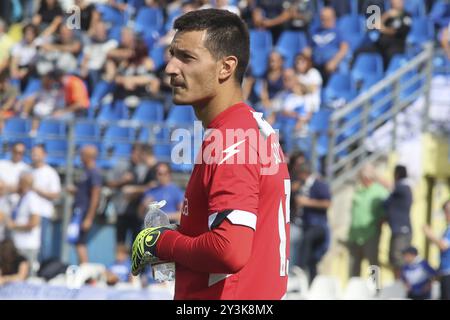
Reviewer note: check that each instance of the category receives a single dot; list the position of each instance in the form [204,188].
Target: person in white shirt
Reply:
[25,221]
[310,80]
[47,186]
[95,54]
[10,170]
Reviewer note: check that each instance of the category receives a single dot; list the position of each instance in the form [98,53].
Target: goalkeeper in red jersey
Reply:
[233,237]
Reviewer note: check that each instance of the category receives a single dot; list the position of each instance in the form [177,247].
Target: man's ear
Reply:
[228,67]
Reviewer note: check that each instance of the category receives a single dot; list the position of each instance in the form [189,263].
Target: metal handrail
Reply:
[340,168]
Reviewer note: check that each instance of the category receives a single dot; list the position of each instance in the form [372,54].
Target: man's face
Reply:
[37,155]
[192,69]
[163,175]
[328,18]
[18,152]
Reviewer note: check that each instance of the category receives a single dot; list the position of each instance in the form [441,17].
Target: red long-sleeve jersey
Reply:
[233,239]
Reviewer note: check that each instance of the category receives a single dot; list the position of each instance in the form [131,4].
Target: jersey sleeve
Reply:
[234,187]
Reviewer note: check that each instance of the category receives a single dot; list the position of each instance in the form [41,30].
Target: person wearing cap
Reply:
[416,274]
[443,244]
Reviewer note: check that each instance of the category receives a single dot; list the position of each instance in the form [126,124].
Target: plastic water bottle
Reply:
[155,217]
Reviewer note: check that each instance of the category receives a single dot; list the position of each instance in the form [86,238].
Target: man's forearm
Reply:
[225,249]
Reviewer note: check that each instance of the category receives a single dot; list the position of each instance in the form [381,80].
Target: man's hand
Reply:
[144,247]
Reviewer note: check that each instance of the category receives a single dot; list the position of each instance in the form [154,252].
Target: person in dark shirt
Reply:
[314,199]
[13,266]
[129,180]
[271,15]
[87,196]
[49,16]
[89,16]
[397,208]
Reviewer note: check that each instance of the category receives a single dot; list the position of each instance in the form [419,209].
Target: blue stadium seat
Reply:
[50,129]
[378,108]
[422,30]
[149,111]
[162,151]
[16,127]
[259,63]
[339,89]
[57,150]
[353,30]
[440,13]
[260,48]
[101,89]
[159,133]
[86,132]
[415,8]
[409,87]
[157,55]
[149,20]
[260,40]
[181,115]
[112,112]
[33,86]
[117,133]
[397,61]
[290,44]
[320,120]
[367,64]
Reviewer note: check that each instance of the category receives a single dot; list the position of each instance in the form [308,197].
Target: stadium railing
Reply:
[351,125]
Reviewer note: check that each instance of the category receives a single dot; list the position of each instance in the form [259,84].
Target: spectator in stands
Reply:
[273,80]
[135,76]
[444,247]
[164,190]
[270,14]
[445,40]
[120,270]
[291,107]
[76,96]
[5,209]
[89,16]
[394,28]
[43,103]
[296,159]
[129,180]
[8,98]
[24,56]
[366,219]
[328,48]
[87,196]
[314,199]
[25,221]
[6,44]
[300,14]
[417,275]
[13,266]
[47,186]
[397,208]
[61,51]
[95,54]
[49,15]
[10,170]
[310,81]
[124,51]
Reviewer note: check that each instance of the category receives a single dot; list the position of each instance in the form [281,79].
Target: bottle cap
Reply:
[157,205]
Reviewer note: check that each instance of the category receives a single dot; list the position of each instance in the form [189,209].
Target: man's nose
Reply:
[172,68]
